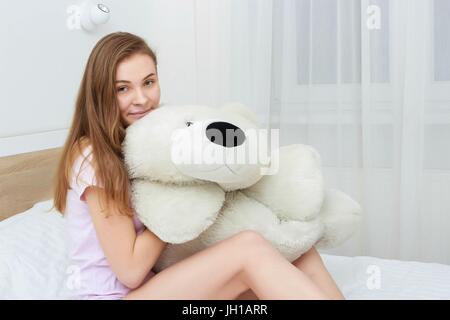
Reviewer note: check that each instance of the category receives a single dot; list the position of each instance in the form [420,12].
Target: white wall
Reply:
[42,61]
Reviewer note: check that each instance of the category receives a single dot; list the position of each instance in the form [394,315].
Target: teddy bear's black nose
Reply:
[225,134]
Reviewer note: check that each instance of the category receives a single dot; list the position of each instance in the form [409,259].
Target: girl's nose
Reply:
[140,97]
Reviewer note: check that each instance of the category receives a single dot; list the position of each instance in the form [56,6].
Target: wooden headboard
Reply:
[26,179]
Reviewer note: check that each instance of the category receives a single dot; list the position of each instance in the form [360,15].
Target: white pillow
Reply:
[33,255]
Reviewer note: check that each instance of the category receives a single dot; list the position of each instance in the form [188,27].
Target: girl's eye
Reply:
[122,89]
[148,82]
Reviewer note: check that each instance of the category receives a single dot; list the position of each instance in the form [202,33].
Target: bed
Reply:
[34,262]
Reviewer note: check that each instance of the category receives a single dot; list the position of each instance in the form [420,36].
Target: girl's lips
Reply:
[140,114]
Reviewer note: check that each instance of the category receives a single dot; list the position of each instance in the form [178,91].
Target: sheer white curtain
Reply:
[365,82]
[233,53]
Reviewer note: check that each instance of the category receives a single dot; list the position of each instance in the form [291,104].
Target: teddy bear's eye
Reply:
[189,123]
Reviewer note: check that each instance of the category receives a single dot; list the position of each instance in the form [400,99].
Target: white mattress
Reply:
[34,265]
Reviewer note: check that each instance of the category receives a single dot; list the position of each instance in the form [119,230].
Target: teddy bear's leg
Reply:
[296,190]
[341,217]
[291,238]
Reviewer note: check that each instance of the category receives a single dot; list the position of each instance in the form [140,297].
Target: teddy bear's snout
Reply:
[225,134]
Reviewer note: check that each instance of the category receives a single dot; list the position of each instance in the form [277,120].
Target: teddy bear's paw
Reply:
[341,217]
[176,214]
[293,238]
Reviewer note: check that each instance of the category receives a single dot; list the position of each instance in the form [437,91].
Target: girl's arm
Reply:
[130,256]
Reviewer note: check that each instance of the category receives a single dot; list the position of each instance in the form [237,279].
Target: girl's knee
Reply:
[250,237]
[252,243]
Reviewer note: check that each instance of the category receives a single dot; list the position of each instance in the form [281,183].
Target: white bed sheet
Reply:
[34,265]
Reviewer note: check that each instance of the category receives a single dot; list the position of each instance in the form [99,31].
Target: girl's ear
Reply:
[241,109]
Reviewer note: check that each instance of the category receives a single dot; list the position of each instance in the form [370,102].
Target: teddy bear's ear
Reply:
[240,109]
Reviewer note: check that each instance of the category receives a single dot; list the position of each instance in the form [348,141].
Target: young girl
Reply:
[113,251]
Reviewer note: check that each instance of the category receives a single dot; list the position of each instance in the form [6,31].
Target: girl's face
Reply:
[137,87]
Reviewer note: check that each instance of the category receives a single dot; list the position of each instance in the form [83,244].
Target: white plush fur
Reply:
[196,207]
[193,206]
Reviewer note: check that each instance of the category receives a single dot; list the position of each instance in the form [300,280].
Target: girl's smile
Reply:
[140,114]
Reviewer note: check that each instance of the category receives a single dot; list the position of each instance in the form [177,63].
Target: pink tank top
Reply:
[96,280]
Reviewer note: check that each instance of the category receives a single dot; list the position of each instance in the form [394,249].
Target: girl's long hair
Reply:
[97,122]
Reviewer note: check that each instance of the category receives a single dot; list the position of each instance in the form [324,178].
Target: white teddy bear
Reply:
[188,198]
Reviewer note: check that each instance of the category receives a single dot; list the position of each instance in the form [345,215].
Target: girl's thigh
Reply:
[213,273]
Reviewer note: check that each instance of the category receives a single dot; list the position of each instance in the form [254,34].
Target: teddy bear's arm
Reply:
[176,214]
[296,190]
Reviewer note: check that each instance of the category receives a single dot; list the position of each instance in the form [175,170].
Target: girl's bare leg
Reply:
[229,268]
[312,265]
